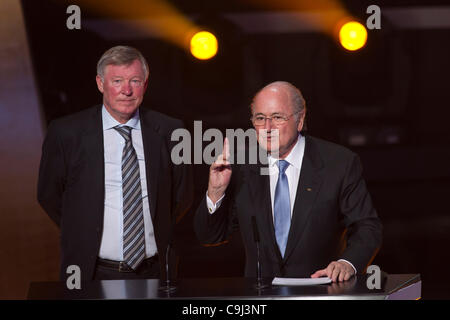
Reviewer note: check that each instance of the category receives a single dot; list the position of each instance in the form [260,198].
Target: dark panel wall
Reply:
[28,240]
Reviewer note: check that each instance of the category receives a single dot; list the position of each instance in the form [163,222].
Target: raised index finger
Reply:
[226,149]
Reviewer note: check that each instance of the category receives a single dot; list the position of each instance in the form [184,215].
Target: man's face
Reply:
[123,89]
[274,101]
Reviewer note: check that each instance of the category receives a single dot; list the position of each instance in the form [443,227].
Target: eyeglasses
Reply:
[277,119]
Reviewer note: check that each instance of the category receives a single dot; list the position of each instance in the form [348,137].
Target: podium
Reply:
[394,286]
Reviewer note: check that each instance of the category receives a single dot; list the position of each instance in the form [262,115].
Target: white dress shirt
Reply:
[295,159]
[111,246]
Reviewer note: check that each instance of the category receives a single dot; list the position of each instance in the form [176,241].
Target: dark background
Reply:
[393,94]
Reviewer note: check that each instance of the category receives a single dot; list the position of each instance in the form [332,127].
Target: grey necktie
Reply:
[133,218]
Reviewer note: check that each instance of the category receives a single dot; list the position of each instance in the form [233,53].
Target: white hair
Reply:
[121,55]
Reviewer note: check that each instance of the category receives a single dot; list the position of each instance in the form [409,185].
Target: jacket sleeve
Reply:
[364,228]
[215,228]
[51,179]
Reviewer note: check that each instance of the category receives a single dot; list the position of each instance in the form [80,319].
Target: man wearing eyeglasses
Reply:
[314,213]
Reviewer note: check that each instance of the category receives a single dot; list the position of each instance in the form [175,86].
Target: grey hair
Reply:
[121,55]
[295,96]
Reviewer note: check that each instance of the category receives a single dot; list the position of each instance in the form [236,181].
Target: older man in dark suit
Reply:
[107,180]
[314,213]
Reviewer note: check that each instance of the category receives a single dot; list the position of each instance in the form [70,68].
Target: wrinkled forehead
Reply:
[272,100]
[131,69]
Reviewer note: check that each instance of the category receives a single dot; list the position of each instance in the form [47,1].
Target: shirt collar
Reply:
[109,122]
[295,156]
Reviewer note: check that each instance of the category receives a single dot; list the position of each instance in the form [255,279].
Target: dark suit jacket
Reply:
[333,216]
[71,186]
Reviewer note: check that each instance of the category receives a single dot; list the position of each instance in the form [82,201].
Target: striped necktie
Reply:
[133,218]
[282,207]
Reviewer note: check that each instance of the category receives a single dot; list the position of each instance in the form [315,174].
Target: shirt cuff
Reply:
[354,269]
[211,206]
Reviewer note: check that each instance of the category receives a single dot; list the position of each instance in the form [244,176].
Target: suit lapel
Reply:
[93,149]
[151,142]
[93,155]
[259,187]
[308,187]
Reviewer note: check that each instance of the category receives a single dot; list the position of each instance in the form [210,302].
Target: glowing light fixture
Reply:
[353,35]
[204,45]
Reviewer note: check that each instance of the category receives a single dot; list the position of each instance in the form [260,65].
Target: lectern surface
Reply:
[403,286]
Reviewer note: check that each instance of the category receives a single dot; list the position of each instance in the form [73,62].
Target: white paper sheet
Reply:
[300,281]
